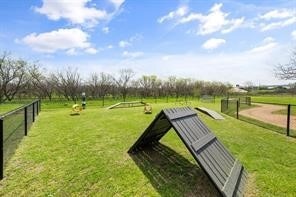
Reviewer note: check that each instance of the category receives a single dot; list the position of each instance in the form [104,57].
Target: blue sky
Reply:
[228,41]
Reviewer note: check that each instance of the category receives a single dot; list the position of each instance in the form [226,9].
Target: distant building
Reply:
[237,90]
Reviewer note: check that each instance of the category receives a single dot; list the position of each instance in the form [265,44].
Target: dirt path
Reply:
[264,113]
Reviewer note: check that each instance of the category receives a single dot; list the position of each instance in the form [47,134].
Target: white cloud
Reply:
[91,50]
[106,30]
[132,55]
[235,67]
[124,44]
[62,39]
[181,11]
[128,42]
[266,45]
[166,57]
[215,21]
[117,3]
[278,18]
[213,43]
[279,24]
[77,11]
[71,52]
[293,34]
[268,40]
[110,46]
[278,14]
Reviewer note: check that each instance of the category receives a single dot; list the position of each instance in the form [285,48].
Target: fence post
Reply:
[288,119]
[1,150]
[221,105]
[39,102]
[26,121]
[33,112]
[237,109]
[37,105]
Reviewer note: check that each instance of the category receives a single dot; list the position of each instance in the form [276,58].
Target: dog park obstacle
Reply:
[226,173]
[148,109]
[127,104]
[210,113]
[76,109]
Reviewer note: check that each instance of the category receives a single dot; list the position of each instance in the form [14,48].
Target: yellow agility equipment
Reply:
[148,109]
[76,109]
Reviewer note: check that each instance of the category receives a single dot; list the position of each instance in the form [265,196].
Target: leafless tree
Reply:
[13,76]
[287,71]
[68,83]
[41,83]
[145,85]
[123,81]
[100,84]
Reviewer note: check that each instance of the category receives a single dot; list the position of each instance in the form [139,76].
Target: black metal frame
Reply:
[227,174]
[2,120]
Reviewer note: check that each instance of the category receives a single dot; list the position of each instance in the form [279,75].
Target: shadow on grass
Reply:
[171,174]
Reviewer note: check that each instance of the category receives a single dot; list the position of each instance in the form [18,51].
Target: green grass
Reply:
[279,99]
[86,155]
[8,107]
[285,111]
[268,126]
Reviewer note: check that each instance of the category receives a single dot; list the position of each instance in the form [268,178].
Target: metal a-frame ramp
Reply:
[227,174]
[215,115]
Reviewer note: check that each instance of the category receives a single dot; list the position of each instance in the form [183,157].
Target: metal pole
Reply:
[288,120]
[33,112]
[1,150]
[26,122]
[37,105]
[237,106]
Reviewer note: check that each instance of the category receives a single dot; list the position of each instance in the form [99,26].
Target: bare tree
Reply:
[122,82]
[287,71]
[93,84]
[68,83]
[13,76]
[144,83]
[41,83]
[100,84]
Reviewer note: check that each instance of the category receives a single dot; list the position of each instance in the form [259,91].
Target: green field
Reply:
[86,155]
[275,99]
[8,107]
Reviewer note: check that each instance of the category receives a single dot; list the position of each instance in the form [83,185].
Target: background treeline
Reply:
[21,79]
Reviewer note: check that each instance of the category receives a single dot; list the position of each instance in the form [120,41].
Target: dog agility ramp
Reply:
[127,104]
[210,112]
[227,174]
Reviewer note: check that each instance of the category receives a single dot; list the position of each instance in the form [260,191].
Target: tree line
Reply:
[21,79]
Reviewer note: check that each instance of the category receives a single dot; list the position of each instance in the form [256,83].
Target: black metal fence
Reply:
[207,99]
[282,120]
[231,106]
[290,112]
[13,126]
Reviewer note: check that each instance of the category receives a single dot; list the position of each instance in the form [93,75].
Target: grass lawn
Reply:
[8,107]
[87,155]
[285,111]
[279,99]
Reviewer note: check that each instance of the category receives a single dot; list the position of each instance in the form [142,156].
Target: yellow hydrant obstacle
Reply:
[148,109]
[76,109]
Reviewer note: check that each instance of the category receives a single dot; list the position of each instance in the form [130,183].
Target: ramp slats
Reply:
[197,145]
[230,184]
[226,173]
[210,112]
[174,116]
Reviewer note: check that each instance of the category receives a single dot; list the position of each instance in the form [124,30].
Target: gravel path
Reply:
[264,113]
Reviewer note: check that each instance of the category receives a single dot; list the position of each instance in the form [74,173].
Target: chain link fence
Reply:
[275,117]
[14,125]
